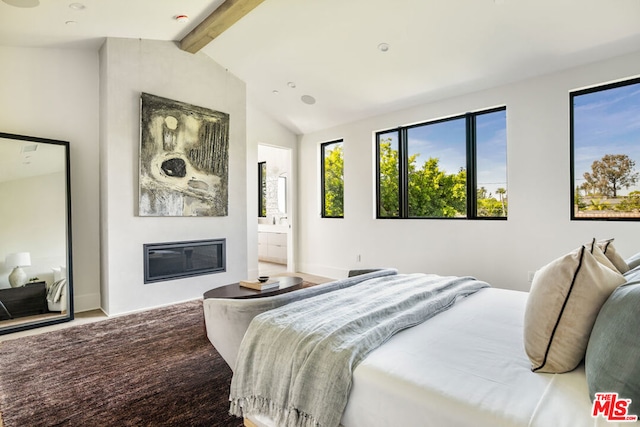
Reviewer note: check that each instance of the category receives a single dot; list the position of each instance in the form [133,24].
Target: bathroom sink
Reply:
[273,228]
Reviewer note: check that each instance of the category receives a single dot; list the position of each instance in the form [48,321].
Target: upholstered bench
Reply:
[227,320]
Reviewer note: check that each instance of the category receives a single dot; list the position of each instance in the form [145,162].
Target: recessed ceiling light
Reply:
[292,85]
[182,18]
[77,6]
[71,22]
[22,3]
[308,99]
[275,92]
[383,47]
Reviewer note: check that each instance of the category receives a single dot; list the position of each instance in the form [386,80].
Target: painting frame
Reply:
[184,159]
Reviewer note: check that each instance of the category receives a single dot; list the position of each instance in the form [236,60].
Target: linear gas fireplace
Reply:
[168,261]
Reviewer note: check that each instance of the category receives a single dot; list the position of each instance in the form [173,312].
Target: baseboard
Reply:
[86,302]
[322,270]
[141,310]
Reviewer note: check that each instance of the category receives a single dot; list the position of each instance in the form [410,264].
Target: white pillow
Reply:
[604,260]
[565,298]
[57,274]
[611,253]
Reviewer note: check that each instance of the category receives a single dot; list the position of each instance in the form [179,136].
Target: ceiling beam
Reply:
[227,14]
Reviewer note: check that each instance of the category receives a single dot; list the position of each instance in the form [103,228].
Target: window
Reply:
[605,148]
[262,189]
[450,168]
[332,177]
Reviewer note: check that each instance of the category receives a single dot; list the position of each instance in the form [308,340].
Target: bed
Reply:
[469,365]
[57,290]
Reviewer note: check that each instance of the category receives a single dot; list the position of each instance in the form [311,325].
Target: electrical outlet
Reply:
[358,258]
[530,275]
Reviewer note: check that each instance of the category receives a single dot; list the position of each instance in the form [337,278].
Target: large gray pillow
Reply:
[612,362]
[633,261]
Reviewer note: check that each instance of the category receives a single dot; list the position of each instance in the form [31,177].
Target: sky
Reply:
[446,141]
[606,122]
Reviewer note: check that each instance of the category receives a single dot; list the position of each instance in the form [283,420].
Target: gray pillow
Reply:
[612,362]
[632,276]
[633,261]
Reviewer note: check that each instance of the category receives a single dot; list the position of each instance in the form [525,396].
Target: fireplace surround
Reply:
[176,260]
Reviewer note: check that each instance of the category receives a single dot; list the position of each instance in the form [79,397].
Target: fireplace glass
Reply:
[169,261]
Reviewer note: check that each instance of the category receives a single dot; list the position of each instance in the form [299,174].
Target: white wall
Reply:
[278,161]
[262,129]
[34,215]
[57,93]
[501,252]
[53,93]
[129,67]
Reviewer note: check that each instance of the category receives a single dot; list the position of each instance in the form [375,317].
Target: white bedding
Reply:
[465,367]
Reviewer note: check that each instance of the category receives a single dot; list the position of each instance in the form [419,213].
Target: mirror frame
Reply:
[70,309]
[282,194]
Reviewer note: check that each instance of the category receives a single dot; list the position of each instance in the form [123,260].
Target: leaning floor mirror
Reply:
[35,233]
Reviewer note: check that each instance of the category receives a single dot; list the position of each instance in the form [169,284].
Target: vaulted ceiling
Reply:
[313,64]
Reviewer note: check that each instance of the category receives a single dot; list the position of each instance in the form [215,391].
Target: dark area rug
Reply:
[155,368]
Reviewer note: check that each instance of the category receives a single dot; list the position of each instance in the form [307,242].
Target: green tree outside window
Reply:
[605,137]
[332,180]
[409,187]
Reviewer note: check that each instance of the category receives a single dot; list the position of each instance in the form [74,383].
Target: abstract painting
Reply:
[184,159]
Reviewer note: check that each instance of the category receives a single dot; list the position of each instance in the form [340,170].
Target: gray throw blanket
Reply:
[55,290]
[295,362]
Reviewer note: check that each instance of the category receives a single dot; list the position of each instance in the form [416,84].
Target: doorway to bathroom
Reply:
[275,234]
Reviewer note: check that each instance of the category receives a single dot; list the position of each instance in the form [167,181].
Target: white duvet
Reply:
[465,367]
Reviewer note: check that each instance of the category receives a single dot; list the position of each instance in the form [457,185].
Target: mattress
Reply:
[464,367]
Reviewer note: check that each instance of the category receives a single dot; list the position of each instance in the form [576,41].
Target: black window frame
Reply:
[323,212]
[572,95]
[262,188]
[471,165]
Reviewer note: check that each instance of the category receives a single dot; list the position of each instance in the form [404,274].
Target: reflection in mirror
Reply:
[282,194]
[35,233]
[262,189]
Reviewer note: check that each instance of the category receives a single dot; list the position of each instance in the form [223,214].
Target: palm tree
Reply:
[501,192]
[482,193]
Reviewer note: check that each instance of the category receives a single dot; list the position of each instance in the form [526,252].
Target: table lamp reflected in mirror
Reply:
[18,260]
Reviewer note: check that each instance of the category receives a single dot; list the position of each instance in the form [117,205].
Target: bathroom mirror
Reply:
[282,194]
[36,286]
